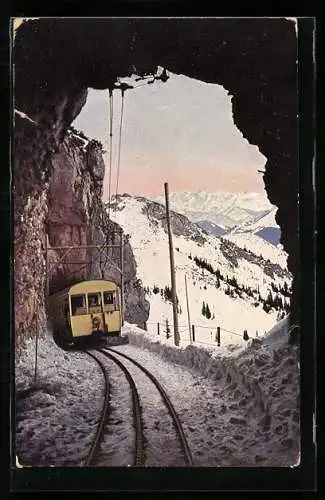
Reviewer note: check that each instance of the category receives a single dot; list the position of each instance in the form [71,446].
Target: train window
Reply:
[108,298]
[78,304]
[94,302]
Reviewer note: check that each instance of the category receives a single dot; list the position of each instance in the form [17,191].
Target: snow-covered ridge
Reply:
[265,227]
[264,221]
[232,280]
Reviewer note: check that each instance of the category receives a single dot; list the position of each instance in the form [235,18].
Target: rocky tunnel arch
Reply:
[56,60]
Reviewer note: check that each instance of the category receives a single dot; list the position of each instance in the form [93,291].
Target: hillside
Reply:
[234,284]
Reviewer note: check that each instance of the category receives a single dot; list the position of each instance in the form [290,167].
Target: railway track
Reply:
[176,421]
[140,439]
[137,420]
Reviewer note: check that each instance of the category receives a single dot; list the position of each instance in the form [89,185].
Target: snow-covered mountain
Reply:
[265,226]
[211,228]
[228,284]
[224,209]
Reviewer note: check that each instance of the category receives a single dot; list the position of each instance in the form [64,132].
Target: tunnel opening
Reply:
[255,60]
[171,134]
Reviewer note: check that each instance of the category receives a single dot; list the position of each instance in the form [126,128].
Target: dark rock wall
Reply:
[254,59]
[75,189]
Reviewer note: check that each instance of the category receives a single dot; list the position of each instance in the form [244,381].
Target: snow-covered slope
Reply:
[232,281]
[267,220]
[225,209]
[265,226]
[211,228]
[259,246]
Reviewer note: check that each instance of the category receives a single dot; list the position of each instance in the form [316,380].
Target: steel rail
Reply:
[91,455]
[168,403]
[139,455]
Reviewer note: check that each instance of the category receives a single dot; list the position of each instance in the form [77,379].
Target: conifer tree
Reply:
[167,329]
[269,299]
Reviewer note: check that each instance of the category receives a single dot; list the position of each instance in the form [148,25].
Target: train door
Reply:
[80,320]
[95,310]
[112,313]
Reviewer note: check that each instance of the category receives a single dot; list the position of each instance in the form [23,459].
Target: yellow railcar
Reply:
[89,308]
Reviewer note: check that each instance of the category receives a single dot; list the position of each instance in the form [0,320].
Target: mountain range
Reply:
[222,213]
[222,208]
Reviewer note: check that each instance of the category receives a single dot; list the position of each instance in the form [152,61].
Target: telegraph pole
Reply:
[172,270]
[188,310]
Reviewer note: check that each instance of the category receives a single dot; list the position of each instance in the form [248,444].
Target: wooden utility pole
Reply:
[122,274]
[188,310]
[172,270]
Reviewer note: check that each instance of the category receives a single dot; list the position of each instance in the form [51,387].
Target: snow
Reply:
[149,242]
[82,141]
[56,418]
[278,334]
[223,208]
[26,117]
[259,246]
[238,406]
[238,402]
[162,446]
[267,220]
[241,409]
[116,449]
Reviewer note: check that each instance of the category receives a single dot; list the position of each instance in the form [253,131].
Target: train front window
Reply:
[108,298]
[94,302]
[110,301]
[78,305]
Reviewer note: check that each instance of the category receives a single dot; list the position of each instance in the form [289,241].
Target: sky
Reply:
[180,131]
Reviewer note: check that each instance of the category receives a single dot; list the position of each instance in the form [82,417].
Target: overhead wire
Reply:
[110,148]
[119,147]
[123,87]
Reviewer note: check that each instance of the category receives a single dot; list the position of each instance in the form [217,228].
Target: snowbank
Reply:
[56,418]
[279,333]
[261,380]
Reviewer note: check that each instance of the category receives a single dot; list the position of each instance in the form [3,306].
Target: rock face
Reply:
[29,268]
[180,225]
[75,189]
[56,60]
[68,212]
[136,305]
